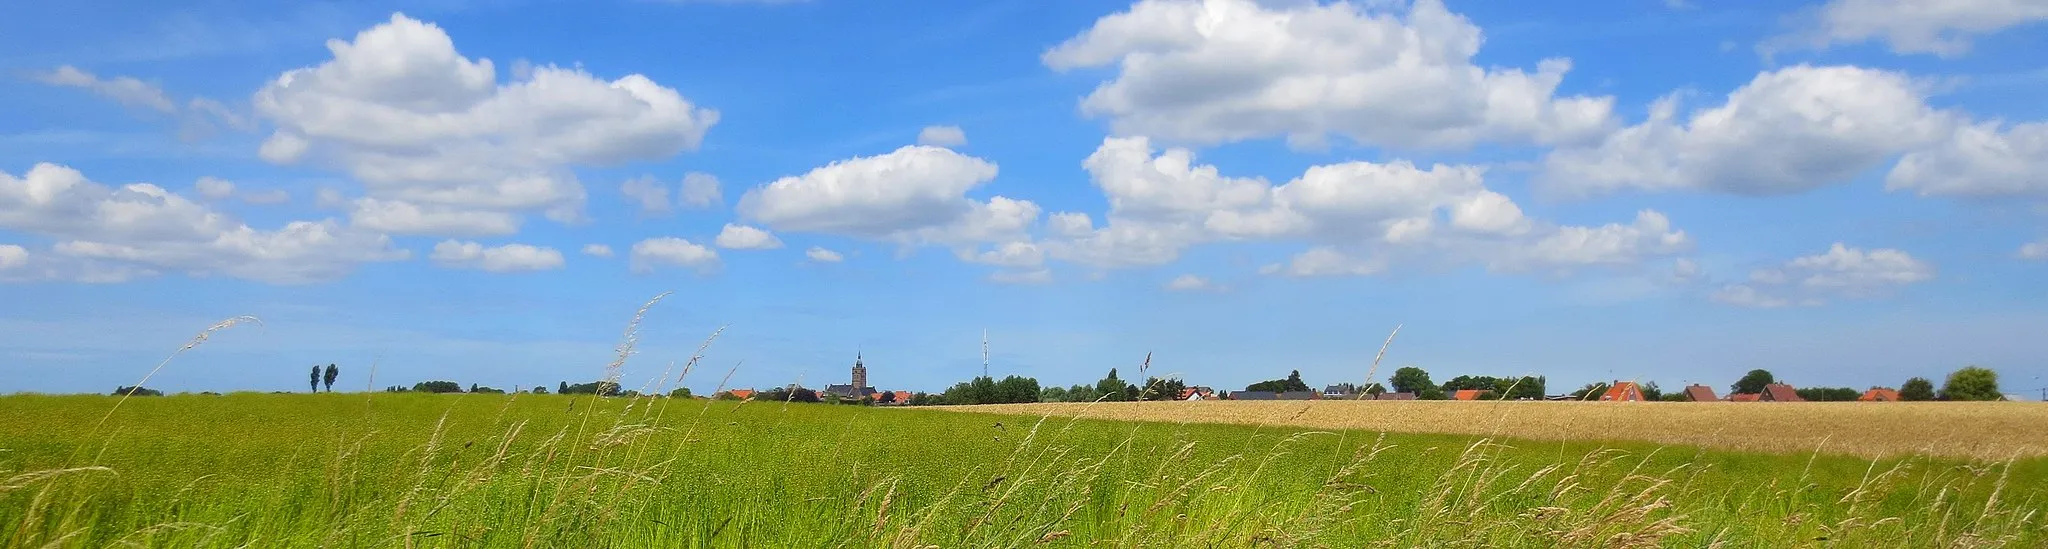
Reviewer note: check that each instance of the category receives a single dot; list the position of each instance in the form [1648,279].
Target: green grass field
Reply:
[398,470]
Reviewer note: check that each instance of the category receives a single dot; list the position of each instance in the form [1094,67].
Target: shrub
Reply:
[138,391]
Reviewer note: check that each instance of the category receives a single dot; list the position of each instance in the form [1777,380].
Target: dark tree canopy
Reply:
[1971,383]
[314,381]
[1162,389]
[327,378]
[1829,394]
[137,391]
[1410,379]
[1753,382]
[1113,389]
[1293,382]
[437,387]
[1917,389]
[599,388]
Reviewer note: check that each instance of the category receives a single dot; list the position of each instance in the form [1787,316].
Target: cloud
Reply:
[1839,273]
[214,188]
[1980,160]
[12,256]
[2034,250]
[1212,71]
[1009,254]
[416,122]
[198,117]
[1162,202]
[1786,131]
[1944,28]
[1324,261]
[822,255]
[501,259]
[597,250]
[742,237]
[650,194]
[942,136]
[1192,283]
[399,217]
[701,190]
[106,234]
[124,90]
[913,195]
[653,253]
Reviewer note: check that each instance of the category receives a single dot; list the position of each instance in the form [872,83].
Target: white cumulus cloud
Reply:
[1979,160]
[822,255]
[1377,73]
[417,122]
[1839,273]
[651,195]
[1161,202]
[499,259]
[653,253]
[915,195]
[110,234]
[2034,250]
[742,237]
[597,250]
[12,256]
[1786,131]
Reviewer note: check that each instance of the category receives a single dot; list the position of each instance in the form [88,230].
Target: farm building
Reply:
[741,394]
[1467,394]
[1301,395]
[1879,394]
[1779,392]
[1198,393]
[1394,396]
[1744,397]
[1624,391]
[1699,393]
[1254,395]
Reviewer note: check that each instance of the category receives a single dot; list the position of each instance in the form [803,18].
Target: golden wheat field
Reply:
[1975,430]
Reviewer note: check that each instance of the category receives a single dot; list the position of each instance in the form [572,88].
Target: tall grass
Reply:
[421,470]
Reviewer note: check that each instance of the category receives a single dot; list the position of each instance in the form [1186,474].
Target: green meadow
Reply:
[424,470]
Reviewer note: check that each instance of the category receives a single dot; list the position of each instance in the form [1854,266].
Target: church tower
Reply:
[860,374]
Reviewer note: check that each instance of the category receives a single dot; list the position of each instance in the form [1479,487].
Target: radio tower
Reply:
[984,352]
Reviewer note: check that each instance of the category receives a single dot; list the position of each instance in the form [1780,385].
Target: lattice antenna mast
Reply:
[984,352]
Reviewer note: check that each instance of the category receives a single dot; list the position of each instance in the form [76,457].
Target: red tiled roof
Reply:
[1744,397]
[1700,393]
[1779,392]
[1879,394]
[1624,391]
[1466,394]
[741,393]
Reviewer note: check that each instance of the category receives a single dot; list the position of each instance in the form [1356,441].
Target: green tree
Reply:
[1410,379]
[137,391]
[1525,387]
[540,390]
[315,380]
[1754,382]
[1652,392]
[1917,389]
[1829,394]
[327,378]
[1016,390]
[1082,393]
[680,392]
[1053,393]
[436,387]
[1162,389]
[1591,391]
[1971,383]
[563,388]
[1111,389]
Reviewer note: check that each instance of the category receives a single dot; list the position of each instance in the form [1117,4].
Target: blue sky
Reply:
[1845,193]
